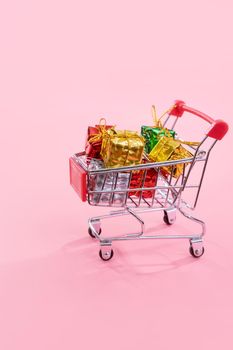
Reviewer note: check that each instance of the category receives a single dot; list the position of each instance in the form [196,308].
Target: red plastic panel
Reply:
[218,130]
[78,179]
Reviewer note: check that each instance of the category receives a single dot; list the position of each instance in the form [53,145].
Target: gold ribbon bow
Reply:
[158,124]
[102,131]
[158,121]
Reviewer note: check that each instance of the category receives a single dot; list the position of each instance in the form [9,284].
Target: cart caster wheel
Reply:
[196,253]
[107,255]
[165,219]
[169,218]
[91,233]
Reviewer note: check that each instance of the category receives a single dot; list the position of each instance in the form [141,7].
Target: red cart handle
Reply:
[218,127]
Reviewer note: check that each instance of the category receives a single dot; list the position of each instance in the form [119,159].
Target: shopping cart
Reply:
[166,194]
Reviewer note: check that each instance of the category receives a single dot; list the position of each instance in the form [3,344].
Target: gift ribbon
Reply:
[158,124]
[102,131]
[189,143]
[157,121]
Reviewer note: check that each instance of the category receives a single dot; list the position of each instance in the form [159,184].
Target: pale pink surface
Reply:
[64,64]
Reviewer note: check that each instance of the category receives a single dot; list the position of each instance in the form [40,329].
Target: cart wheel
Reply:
[169,216]
[106,255]
[91,233]
[165,219]
[196,253]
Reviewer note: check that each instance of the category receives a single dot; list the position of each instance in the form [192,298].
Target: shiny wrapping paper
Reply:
[139,180]
[94,140]
[179,153]
[169,149]
[122,148]
[107,182]
[152,136]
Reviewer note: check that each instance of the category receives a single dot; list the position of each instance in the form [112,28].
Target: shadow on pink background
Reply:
[63,65]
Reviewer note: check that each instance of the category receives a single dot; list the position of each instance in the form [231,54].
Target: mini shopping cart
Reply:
[166,195]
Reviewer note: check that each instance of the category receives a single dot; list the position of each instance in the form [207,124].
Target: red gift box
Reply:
[137,181]
[94,139]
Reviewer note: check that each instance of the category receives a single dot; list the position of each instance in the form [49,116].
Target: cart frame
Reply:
[166,195]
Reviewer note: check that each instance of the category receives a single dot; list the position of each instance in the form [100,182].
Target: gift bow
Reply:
[158,124]
[157,121]
[102,131]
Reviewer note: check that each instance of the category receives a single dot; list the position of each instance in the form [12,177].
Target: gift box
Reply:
[94,139]
[168,148]
[122,148]
[107,182]
[152,134]
[141,179]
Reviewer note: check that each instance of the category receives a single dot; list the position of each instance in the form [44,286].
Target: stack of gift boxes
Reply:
[107,147]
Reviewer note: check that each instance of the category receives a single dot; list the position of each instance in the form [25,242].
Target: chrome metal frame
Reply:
[166,196]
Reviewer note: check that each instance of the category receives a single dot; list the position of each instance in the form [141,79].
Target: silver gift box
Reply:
[107,182]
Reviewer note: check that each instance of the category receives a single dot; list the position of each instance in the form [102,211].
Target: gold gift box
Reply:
[122,148]
[169,149]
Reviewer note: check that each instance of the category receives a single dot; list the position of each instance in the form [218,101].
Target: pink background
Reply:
[63,65]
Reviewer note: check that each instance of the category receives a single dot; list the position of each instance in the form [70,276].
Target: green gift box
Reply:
[152,136]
